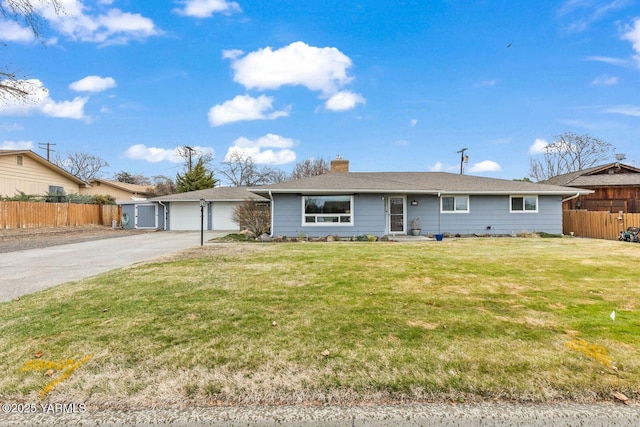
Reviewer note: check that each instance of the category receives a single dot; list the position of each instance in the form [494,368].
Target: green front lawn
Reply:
[469,319]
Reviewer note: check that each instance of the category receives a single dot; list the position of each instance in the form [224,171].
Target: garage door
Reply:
[185,216]
[222,214]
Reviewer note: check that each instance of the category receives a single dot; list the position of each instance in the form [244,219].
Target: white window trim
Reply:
[523,197]
[326,224]
[454,211]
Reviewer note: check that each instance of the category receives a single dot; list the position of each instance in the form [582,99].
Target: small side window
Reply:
[524,203]
[454,204]
[19,159]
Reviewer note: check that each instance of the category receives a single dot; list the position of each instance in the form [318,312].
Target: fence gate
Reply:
[597,224]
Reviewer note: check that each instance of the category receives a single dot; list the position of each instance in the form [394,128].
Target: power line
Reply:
[47,146]
[191,150]
[463,158]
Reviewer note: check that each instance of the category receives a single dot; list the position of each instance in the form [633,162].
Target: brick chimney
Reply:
[339,165]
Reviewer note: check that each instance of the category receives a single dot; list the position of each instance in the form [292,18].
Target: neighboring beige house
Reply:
[120,191]
[26,171]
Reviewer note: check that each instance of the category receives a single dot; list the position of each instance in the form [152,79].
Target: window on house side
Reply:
[327,210]
[524,204]
[19,160]
[56,194]
[454,204]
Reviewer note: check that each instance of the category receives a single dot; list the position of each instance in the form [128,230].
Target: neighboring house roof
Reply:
[412,182]
[217,194]
[46,163]
[132,188]
[611,174]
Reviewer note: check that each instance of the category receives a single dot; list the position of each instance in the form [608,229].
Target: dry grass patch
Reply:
[350,322]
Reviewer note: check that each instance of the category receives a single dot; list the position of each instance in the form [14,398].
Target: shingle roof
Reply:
[411,182]
[219,194]
[133,188]
[596,177]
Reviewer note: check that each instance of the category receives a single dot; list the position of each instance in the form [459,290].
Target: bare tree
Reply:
[252,216]
[569,153]
[83,165]
[240,170]
[130,178]
[163,185]
[310,167]
[25,13]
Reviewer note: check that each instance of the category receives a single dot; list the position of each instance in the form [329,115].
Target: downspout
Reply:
[271,208]
[439,209]
[164,223]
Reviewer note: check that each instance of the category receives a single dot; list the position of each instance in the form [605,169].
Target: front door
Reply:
[396,216]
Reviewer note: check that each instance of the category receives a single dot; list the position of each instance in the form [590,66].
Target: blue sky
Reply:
[388,85]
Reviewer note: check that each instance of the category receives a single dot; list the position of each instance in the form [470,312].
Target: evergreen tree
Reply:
[198,178]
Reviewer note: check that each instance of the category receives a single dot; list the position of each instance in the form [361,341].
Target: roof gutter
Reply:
[572,197]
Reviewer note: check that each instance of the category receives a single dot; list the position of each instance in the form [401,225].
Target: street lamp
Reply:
[202,201]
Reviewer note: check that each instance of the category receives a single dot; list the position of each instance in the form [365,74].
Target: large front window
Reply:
[328,210]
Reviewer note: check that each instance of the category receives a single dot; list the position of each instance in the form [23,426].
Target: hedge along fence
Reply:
[598,225]
[39,215]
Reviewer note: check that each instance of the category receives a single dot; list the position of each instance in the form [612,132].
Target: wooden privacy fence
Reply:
[38,215]
[598,225]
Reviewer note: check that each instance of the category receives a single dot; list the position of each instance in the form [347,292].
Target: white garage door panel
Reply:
[222,213]
[185,216]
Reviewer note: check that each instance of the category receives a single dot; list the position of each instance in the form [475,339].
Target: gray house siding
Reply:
[128,212]
[494,212]
[370,217]
[146,215]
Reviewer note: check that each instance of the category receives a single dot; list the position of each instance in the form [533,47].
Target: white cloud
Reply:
[298,64]
[93,84]
[633,35]
[442,167]
[609,60]
[413,122]
[16,145]
[538,146]
[39,101]
[605,80]
[627,110]
[485,166]
[231,53]
[486,83]
[11,31]
[244,107]
[262,150]
[156,155]
[207,8]
[344,100]
[10,127]
[113,26]
[583,14]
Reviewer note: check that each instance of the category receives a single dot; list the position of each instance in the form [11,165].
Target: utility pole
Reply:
[463,158]
[191,150]
[47,146]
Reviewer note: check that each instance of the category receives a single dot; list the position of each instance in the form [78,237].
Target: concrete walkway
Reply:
[29,271]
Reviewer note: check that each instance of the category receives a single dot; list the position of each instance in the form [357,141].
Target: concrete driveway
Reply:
[29,271]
